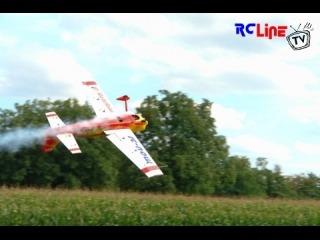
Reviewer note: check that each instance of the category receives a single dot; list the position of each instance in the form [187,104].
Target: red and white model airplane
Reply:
[118,128]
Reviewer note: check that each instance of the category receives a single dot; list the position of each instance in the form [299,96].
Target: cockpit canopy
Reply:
[136,116]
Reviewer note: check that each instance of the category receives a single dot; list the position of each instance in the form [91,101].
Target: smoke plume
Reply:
[14,139]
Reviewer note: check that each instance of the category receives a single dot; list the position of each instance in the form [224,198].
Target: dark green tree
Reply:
[277,185]
[248,181]
[305,185]
[182,135]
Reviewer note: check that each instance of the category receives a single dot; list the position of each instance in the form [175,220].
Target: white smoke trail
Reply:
[16,138]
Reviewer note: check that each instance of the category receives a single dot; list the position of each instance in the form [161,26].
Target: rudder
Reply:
[49,143]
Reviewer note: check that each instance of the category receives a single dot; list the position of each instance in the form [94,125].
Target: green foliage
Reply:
[305,185]
[184,136]
[248,181]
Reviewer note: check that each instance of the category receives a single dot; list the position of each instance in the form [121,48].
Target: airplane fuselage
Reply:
[95,128]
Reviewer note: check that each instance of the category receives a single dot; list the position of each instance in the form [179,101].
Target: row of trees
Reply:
[180,134]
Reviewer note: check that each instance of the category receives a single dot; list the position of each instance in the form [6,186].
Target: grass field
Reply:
[34,207]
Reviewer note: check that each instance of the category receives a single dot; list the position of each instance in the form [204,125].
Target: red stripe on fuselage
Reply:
[89,83]
[148,169]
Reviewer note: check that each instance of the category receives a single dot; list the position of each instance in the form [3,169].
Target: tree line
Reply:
[180,135]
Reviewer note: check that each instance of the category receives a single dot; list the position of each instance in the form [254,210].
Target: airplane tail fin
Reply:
[124,98]
[49,143]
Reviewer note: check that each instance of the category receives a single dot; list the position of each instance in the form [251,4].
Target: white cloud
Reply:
[155,25]
[307,148]
[86,46]
[304,166]
[7,40]
[180,66]
[290,80]
[44,25]
[43,73]
[150,40]
[227,117]
[261,147]
[306,113]
[93,35]
[165,55]
[152,46]
[66,36]
[102,36]
[62,68]
[133,105]
[119,107]
[136,78]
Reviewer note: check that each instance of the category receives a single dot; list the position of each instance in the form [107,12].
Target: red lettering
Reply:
[266,29]
[274,31]
[281,31]
[258,31]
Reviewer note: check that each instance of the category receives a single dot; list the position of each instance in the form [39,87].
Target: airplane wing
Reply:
[100,103]
[128,143]
[70,142]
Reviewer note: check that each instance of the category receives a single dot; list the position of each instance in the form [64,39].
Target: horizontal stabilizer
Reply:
[70,142]
[54,120]
[50,142]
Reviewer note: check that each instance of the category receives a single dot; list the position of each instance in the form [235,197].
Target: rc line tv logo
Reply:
[297,40]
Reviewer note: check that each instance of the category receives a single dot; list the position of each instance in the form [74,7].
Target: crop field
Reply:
[46,207]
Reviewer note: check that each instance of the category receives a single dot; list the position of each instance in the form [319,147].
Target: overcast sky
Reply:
[266,95]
